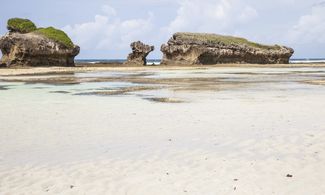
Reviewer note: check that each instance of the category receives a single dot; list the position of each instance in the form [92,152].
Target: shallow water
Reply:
[167,83]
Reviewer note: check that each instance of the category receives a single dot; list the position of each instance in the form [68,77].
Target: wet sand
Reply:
[162,130]
[120,67]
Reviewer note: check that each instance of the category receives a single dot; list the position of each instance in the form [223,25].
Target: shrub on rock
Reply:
[20,25]
[56,35]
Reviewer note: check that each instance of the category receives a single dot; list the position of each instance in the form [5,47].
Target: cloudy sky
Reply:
[105,28]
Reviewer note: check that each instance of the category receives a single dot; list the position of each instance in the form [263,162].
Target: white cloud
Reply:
[108,10]
[109,32]
[310,28]
[211,16]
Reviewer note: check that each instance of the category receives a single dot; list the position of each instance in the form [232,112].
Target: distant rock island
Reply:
[205,49]
[27,45]
[139,54]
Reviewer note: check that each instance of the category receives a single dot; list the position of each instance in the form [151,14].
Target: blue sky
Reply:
[105,28]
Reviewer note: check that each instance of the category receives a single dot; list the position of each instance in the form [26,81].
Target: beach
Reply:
[227,129]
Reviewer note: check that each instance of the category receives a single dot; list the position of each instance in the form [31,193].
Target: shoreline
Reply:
[119,67]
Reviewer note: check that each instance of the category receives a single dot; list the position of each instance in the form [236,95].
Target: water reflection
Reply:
[166,85]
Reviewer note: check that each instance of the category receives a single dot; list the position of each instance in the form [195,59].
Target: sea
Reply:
[157,61]
[118,61]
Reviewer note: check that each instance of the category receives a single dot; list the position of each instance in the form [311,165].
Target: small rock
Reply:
[140,51]
[289,175]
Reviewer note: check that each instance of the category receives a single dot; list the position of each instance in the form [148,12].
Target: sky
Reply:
[104,29]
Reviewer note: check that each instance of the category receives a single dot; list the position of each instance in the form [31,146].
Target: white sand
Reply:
[227,142]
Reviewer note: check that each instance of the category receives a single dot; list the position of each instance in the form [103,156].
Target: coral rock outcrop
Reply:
[38,47]
[140,51]
[209,49]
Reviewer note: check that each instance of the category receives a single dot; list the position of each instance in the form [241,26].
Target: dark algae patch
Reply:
[120,91]
[60,92]
[164,100]
[3,87]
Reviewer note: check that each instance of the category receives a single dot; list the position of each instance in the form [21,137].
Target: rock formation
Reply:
[37,47]
[199,48]
[139,54]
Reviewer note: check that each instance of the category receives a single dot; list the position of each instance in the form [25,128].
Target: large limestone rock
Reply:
[35,50]
[140,51]
[200,48]
[36,47]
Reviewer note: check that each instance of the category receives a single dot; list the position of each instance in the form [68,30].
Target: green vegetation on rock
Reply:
[56,35]
[26,26]
[217,39]
[21,25]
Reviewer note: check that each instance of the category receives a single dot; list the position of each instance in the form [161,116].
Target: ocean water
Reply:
[94,61]
[157,61]
[307,61]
